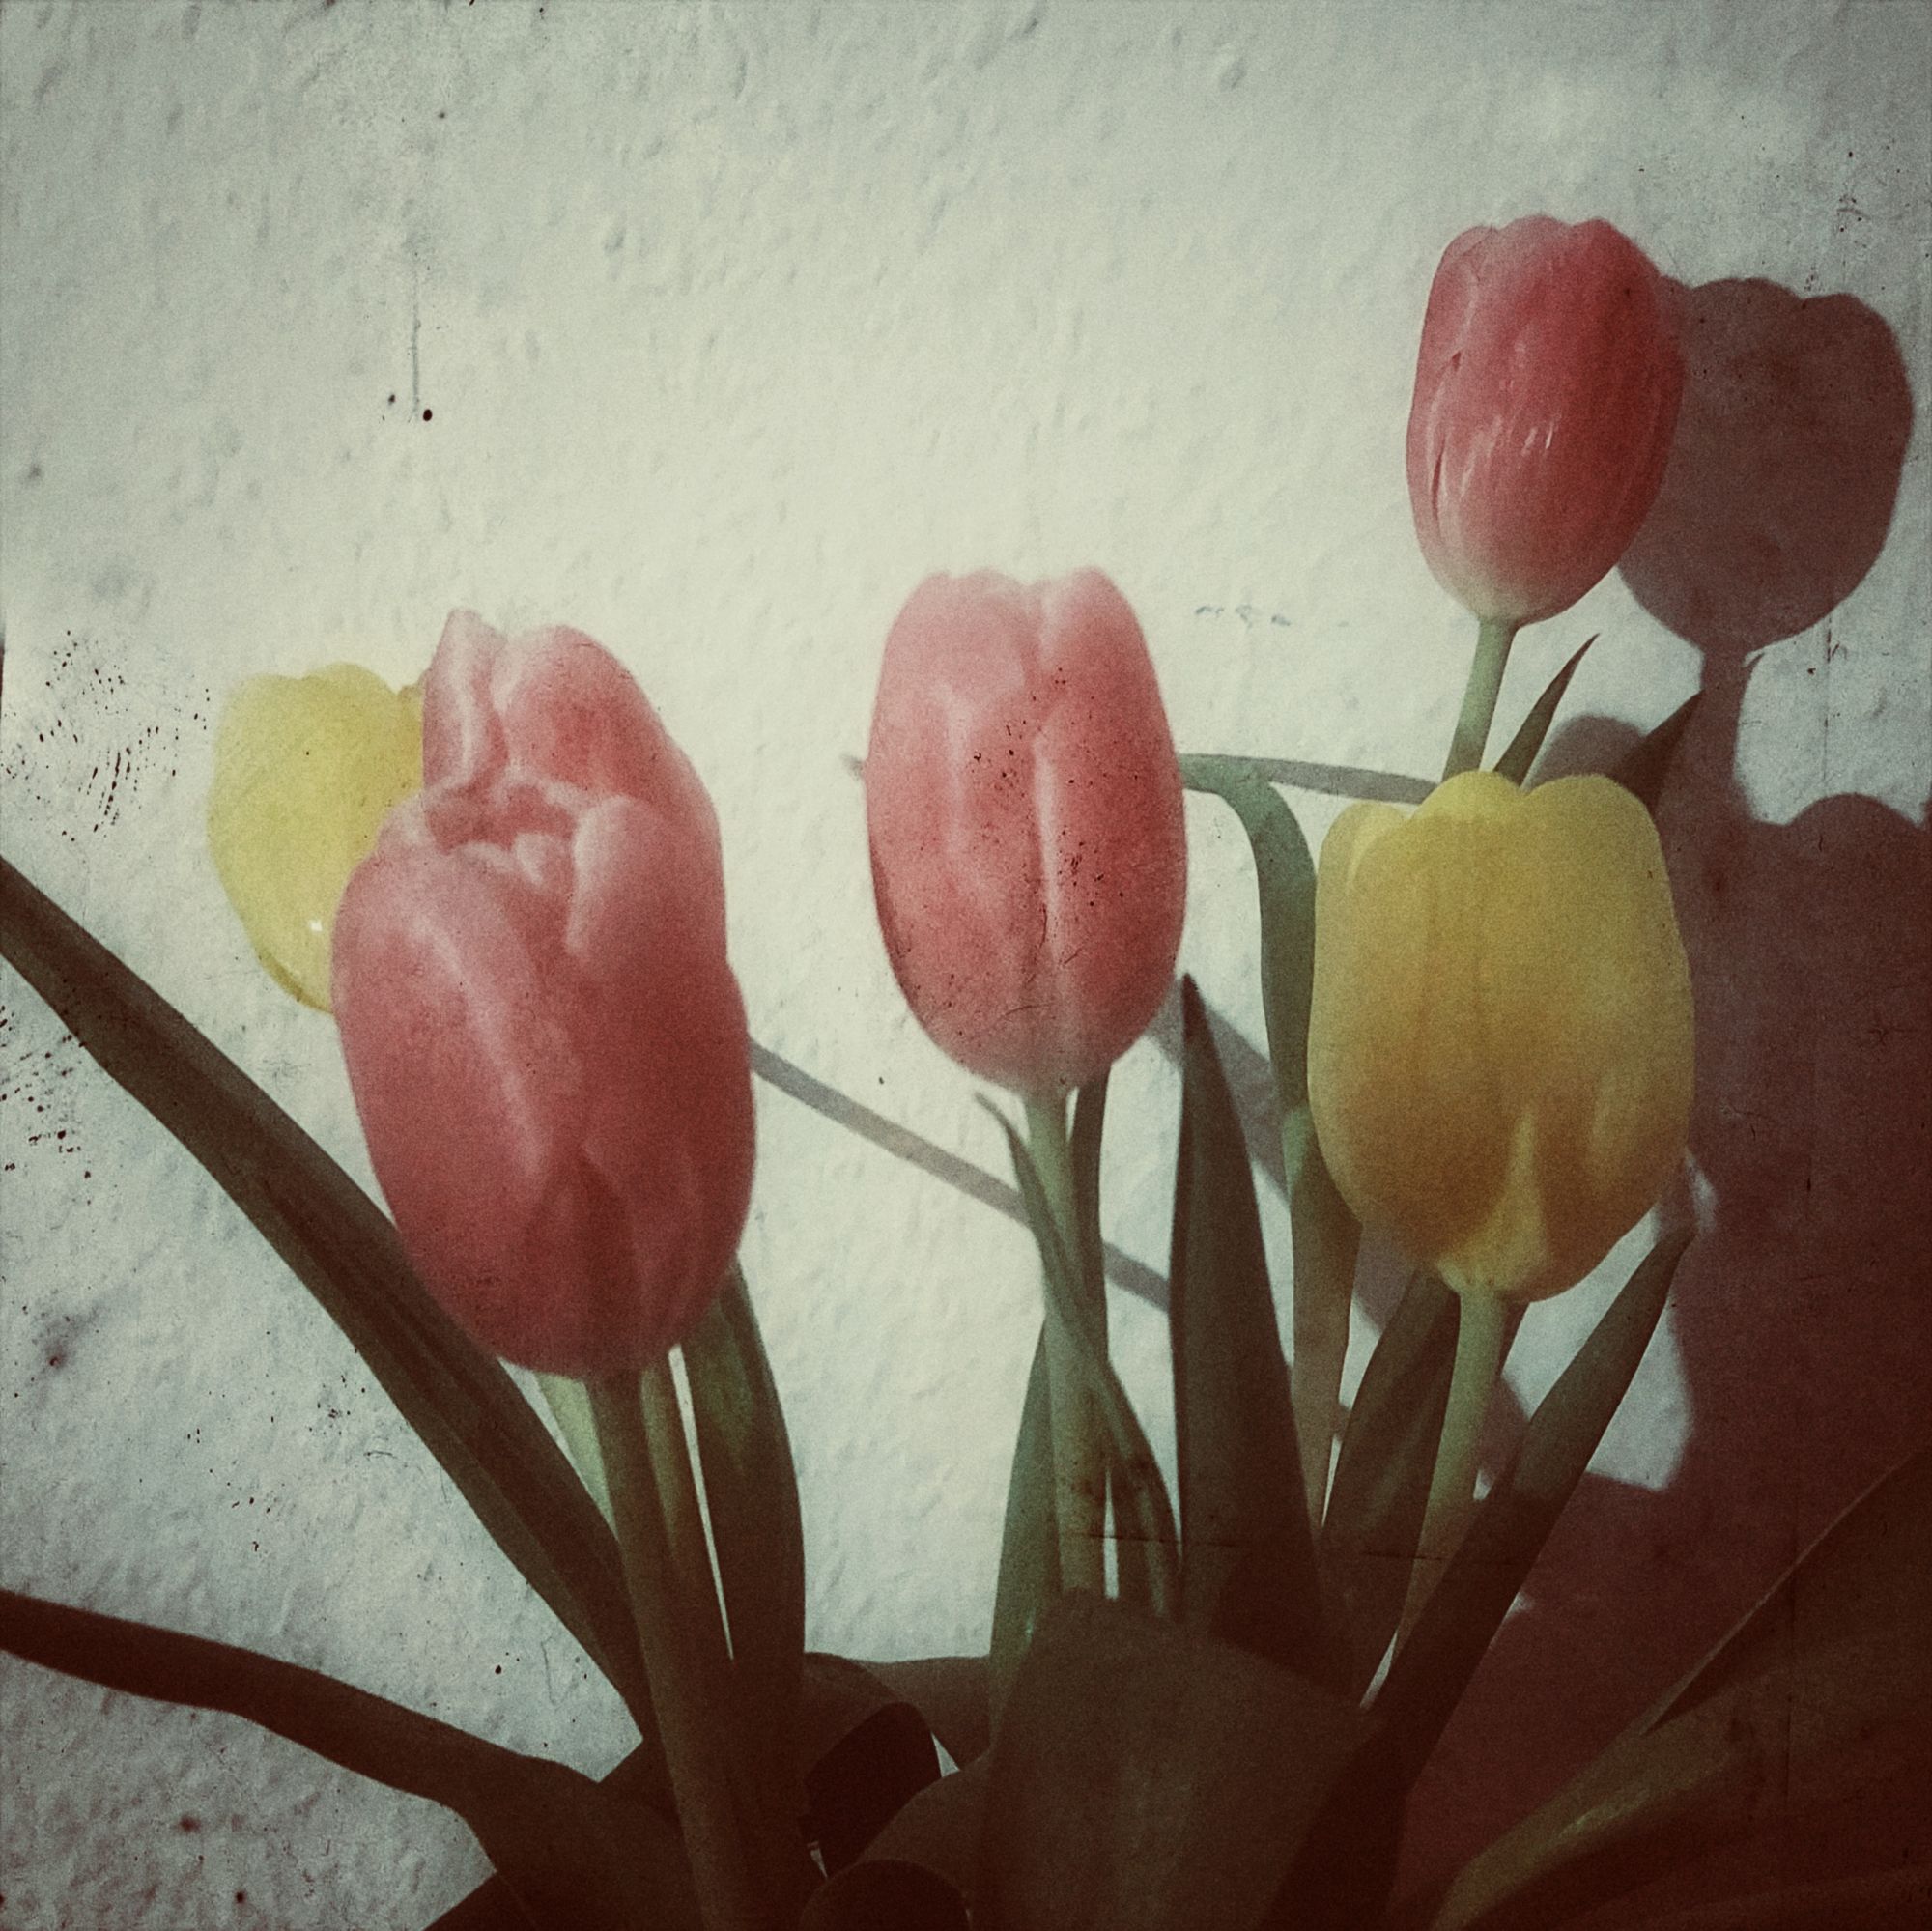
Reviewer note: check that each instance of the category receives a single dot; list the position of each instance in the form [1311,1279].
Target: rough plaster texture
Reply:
[711,330]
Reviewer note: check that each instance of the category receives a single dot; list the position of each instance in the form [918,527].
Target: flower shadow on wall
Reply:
[1801,1313]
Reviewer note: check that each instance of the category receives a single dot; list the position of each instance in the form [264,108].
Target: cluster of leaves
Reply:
[1202,1749]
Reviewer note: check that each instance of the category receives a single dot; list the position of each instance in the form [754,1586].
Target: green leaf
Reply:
[1247,1573]
[940,1828]
[1381,1480]
[344,1250]
[1030,1542]
[1822,1689]
[1647,763]
[1145,1777]
[1285,879]
[1327,1235]
[886,1896]
[750,1493]
[1132,1465]
[950,1691]
[1894,1900]
[1089,1119]
[1514,763]
[1133,1572]
[864,1752]
[569,1851]
[1433,1668]
[569,1401]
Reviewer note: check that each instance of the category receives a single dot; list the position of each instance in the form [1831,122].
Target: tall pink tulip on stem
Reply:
[1024,807]
[1546,395]
[1023,804]
[545,1041]
[549,1054]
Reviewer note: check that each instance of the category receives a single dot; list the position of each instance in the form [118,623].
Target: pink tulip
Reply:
[1023,803]
[1546,394]
[545,1041]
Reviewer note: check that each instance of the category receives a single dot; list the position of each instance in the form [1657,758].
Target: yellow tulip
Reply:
[305,770]
[1499,1048]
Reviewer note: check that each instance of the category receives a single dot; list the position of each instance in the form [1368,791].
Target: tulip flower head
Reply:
[1546,395]
[545,1041]
[1023,804]
[1499,1047]
[306,769]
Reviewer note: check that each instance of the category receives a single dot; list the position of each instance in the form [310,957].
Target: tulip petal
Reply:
[954,841]
[306,769]
[572,713]
[667,1123]
[470,1089]
[1500,1047]
[1023,804]
[463,740]
[1547,386]
[1112,832]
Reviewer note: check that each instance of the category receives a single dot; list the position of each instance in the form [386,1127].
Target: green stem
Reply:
[699,1777]
[1482,1325]
[1326,1238]
[570,1404]
[1079,1463]
[1493,638]
[684,1517]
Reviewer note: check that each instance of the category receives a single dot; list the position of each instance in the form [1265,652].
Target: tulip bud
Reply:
[545,1041]
[305,770]
[1546,394]
[1499,1047]
[1023,804]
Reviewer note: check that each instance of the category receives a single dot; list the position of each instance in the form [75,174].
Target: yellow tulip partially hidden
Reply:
[305,770]
[1499,1048]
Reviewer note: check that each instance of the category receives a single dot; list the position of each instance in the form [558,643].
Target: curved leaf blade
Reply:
[1326,1235]
[864,1753]
[566,1848]
[1514,763]
[951,1692]
[1285,881]
[1030,1542]
[750,1493]
[1374,1523]
[345,1251]
[1827,1679]
[1150,1513]
[1433,1668]
[1247,1570]
[1146,1776]
[940,1828]
[1132,1569]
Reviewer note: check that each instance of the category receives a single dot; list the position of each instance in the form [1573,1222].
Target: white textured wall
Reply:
[712,329]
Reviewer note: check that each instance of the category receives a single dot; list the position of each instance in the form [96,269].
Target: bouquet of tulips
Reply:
[1204,1707]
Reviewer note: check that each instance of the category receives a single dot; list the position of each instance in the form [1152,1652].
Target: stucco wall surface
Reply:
[711,331]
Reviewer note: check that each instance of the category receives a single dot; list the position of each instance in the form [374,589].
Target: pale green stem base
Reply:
[1079,1463]
[1493,638]
[1482,1326]
[694,1751]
